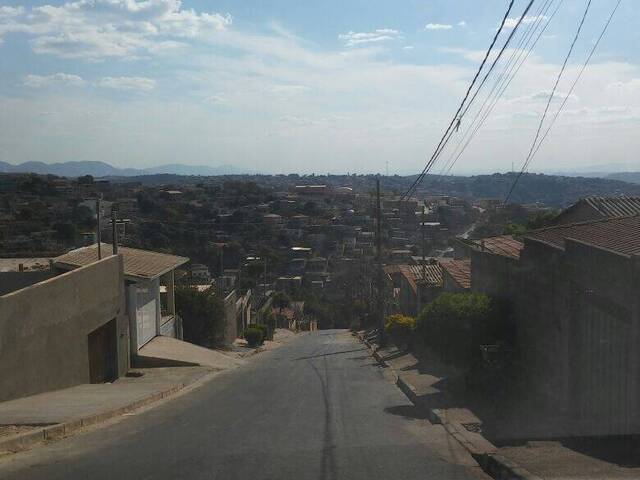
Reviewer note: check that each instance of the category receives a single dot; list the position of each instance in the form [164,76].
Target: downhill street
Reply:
[318,407]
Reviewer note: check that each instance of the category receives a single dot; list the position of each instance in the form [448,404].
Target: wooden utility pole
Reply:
[98,235]
[380,299]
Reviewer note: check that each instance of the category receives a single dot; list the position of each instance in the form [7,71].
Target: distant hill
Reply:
[551,190]
[631,177]
[101,169]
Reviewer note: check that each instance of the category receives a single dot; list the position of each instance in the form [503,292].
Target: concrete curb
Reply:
[27,440]
[498,466]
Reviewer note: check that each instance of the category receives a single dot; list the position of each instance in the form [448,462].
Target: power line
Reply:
[499,81]
[584,67]
[504,82]
[484,61]
[450,130]
[546,109]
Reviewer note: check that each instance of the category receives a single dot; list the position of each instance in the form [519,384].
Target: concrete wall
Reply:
[577,319]
[44,328]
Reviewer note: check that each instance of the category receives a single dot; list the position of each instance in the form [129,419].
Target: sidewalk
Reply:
[26,422]
[434,387]
[29,421]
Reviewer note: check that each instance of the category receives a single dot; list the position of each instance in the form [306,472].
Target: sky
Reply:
[334,86]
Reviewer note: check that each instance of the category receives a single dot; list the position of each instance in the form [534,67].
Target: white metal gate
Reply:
[146,312]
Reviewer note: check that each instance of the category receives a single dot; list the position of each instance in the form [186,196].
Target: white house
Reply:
[150,312]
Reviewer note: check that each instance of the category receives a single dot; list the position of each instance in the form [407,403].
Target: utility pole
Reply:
[265,278]
[380,306]
[114,228]
[98,235]
[424,259]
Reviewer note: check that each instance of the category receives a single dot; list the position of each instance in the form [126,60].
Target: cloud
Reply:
[96,29]
[437,26]
[141,84]
[353,39]
[512,22]
[543,96]
[408,47]
[56,79]
[462,24]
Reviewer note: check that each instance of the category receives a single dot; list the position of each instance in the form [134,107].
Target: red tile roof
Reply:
[504,245]
[621,235]
[460,271]
[414,275]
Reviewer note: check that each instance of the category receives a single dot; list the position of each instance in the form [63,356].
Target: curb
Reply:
[495,464]
[27,440]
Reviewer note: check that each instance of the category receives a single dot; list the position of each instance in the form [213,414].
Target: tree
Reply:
[202,314]
[281,300]
[454,326]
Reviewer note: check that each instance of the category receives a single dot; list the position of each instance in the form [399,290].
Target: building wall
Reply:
[44,328]
[577,321]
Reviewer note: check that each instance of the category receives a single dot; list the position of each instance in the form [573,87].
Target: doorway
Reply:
[103,363]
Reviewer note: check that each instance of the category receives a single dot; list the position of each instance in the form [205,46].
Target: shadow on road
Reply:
[407,411]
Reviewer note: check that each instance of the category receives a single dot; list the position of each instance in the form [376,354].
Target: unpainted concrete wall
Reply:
[44,328]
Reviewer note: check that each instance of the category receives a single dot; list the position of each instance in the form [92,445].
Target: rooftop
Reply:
[620,235]
[138,264]
[504,245]
[612,207]
[431,274]
[459,270]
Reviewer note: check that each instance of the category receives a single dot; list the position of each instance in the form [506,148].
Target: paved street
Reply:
[316,408]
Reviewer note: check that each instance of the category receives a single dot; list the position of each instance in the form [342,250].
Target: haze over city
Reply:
[303,87]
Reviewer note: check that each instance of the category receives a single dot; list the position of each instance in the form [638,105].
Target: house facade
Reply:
[150,313]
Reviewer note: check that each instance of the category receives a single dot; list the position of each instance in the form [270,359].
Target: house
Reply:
[417,285]
[64,331]
[200,274]
[576,314]
[597,208]
[456,276]
[144,273]
[494,264]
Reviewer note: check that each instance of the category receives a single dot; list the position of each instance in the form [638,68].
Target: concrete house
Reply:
[150,314]
[574,292]
[416,285]
[64,331]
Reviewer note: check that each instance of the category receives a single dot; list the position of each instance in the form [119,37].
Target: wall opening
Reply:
[103,353]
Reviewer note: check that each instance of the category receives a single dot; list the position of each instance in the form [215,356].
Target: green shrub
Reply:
[454,326]
[253,336]
[264,329]
[399,328]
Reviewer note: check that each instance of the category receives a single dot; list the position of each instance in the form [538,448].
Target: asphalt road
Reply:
[316,408]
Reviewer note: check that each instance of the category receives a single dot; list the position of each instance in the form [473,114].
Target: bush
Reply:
[399,329]
[202,314]
[253,336]
[454,326]
[266,334]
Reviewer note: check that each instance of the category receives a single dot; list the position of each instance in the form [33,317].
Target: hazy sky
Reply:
[303,86]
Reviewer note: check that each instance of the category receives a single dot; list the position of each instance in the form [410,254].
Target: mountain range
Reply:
[102,169]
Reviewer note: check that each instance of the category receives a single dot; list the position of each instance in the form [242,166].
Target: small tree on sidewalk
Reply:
[202,314]
[454,326]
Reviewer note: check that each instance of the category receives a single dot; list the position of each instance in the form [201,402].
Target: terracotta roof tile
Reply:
[504,245]
[621,235]
[460,271]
